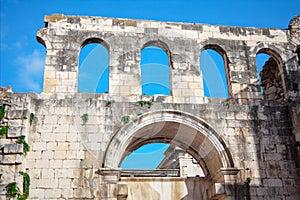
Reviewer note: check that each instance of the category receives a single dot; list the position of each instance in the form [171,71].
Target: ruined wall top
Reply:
[64,36]
[189,30]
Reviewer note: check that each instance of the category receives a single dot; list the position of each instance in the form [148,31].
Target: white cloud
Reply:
[31,70]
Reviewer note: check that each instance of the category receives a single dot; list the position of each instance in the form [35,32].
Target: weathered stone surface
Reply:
[14,132]
[13,148]
[249,135]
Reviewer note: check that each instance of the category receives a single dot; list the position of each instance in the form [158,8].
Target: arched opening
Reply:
[261,59]
[155,70]
[188,134]
[93,70]
[213,65]
[270,74]
[180,129]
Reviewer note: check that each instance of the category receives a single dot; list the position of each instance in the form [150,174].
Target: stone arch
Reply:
[163,46]
[182,129]
[277,60]
[222,52]
[94,40]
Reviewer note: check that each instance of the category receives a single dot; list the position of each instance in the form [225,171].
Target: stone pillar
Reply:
[61,65]
[110,188]
[223,184]
[186,78]
[124,72]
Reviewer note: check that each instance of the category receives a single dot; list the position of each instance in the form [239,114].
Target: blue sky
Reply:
[22,57]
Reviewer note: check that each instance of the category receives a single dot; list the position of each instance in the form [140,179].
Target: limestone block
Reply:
[62,146]
[32,155]
[37,193]
[67,193]
[48,136]
[194,85]
[71,164]
[42,164]
[49,74]
[13,148]
[56,163]
[60,137]
[61,88]
[52,193]
[64,173]
[39,146]
[50,145]
[181,85]
[72,155]
[74,146]
[16,131]
[64,183]
[50,119]
[61,128]
[15,123]
[275,183]
[11,159]
[72,75]
[71,137]
[62,75]
[72,89]
[34,173]
[18,114]
[47,154]
[47,173]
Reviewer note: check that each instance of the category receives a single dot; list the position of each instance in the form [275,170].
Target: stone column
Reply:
[110,188]
[124,72]
[223,184]
[186,78]
[61,65]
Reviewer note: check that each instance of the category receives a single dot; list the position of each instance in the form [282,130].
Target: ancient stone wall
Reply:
[78,140]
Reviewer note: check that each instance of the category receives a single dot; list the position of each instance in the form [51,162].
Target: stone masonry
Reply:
[78,140]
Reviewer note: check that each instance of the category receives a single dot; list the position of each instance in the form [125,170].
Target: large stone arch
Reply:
[185,130]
